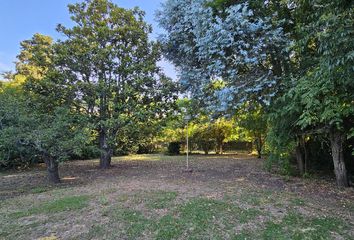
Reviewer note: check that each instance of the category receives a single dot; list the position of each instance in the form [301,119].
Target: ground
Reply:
[152,197]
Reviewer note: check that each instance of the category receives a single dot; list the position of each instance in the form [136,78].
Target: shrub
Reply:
[174,148]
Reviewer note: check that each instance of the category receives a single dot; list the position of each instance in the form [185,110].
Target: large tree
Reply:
[38,120]
[232,44]
[108,59]
[326,89]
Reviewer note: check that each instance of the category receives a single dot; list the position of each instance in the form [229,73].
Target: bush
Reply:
[174,148]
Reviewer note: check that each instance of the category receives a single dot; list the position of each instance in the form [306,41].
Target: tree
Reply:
[326,87]
[35,57]
[253,119]
[27,132]
[38,115]
[232,45]
[12,153]
[203,136]
[109,60]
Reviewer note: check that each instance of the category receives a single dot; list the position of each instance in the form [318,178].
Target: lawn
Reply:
[151,197]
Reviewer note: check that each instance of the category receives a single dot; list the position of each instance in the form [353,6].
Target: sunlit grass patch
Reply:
[146,157]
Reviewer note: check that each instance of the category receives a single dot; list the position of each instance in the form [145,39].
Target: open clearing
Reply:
[151,197]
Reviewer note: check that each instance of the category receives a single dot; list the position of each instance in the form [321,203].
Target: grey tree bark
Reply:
[337,139]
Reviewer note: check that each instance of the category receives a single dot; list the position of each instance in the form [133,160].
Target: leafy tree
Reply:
[35,57]
[326,87]
[221,130]
[232,46]
[111,64]
[253,119]
[203,136]
[28,133]
[12,153]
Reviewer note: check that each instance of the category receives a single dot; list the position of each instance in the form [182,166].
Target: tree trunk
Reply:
[259,145]
[53,169]
[206,150]
[300,159]
[220,148]
[106,152]
[337,139]
[305,154]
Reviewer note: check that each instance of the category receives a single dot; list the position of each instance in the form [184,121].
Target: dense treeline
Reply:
[291,59]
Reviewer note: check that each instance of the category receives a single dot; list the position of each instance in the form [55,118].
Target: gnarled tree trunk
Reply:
[337,139]
[52,169]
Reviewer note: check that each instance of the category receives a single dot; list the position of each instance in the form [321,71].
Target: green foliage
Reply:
[110,63]
[35,57]
[252,118]
[14,124]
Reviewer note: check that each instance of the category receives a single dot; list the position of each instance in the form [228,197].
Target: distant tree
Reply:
[35,57]
[203,137]
[252,118]
[221,130]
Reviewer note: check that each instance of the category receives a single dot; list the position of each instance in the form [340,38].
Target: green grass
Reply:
[14,230]
[254,198]
[38,190]
[64,204]
[297,201]
[168,227]
[154,199]
[135,222]
[296,226]
[198,218]
[246,212]
[103,200]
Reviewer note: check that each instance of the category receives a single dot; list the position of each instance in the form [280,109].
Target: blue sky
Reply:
[20,19]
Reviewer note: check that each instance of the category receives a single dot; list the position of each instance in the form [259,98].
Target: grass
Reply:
[155,199]
[198,218]
[71,203]
[296,226]
[297,201]
[37,190]
[184,207]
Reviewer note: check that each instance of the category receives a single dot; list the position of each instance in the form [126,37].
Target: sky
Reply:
[20,19]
